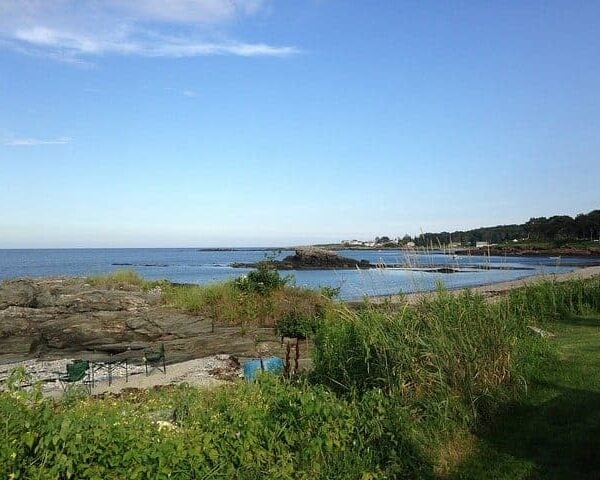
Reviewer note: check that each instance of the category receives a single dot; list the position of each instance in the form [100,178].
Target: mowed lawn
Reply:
[555,432]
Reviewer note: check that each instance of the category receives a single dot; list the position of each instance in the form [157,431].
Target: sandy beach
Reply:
[496,290]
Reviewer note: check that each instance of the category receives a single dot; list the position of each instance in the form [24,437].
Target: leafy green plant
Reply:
[263,280]
[296,324]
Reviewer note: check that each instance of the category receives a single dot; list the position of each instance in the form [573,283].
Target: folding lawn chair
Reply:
[155,359]
[77,371]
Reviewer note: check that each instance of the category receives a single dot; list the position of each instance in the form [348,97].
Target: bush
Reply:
[263,280]
[296,324]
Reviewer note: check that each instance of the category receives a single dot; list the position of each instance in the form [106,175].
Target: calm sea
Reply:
[188,265]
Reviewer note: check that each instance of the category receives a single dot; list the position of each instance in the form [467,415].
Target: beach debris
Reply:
[229,368]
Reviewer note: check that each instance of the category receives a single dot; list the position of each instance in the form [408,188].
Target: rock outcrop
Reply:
[312,258]
[57,317]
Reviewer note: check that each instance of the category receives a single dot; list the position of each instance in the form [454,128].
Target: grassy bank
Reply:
[553,432]
[451,388]
[259,299]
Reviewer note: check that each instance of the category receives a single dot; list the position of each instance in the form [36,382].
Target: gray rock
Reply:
[61,317]
[311,258]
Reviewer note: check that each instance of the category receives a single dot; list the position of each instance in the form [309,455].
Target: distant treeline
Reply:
[559,228]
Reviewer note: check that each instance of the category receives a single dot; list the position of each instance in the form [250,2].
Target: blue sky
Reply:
[257,122]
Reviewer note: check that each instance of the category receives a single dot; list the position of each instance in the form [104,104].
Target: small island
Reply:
[311,258]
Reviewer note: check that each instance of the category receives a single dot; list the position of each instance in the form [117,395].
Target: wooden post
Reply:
[286,368]
[297,356]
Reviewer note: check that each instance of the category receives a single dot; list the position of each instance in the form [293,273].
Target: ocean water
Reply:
[189,265]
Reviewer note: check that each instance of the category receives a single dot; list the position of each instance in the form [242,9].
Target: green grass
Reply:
[123,278]
[552,433]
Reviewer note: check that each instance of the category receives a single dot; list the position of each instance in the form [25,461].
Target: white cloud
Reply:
[71,30]
[33,142]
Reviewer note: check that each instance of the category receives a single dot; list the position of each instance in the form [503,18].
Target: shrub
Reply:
[297,324]
[389,388]
[263,280]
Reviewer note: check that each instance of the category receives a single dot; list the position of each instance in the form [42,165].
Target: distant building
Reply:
[357,243]
[352,243]
[482,244]
[410,244]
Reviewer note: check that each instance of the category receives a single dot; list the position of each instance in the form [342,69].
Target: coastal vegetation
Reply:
[260,298]
[123,278]
[435,390]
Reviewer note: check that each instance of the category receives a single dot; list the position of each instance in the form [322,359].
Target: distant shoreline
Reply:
[493,251]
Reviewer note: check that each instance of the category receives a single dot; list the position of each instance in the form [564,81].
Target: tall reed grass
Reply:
[549,300]
[447,347]
[228,305]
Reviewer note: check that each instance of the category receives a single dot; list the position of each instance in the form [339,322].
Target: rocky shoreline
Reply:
[60,317]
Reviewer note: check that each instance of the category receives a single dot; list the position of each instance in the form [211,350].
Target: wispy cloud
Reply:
[189,93]
[70,30]
[33,142]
